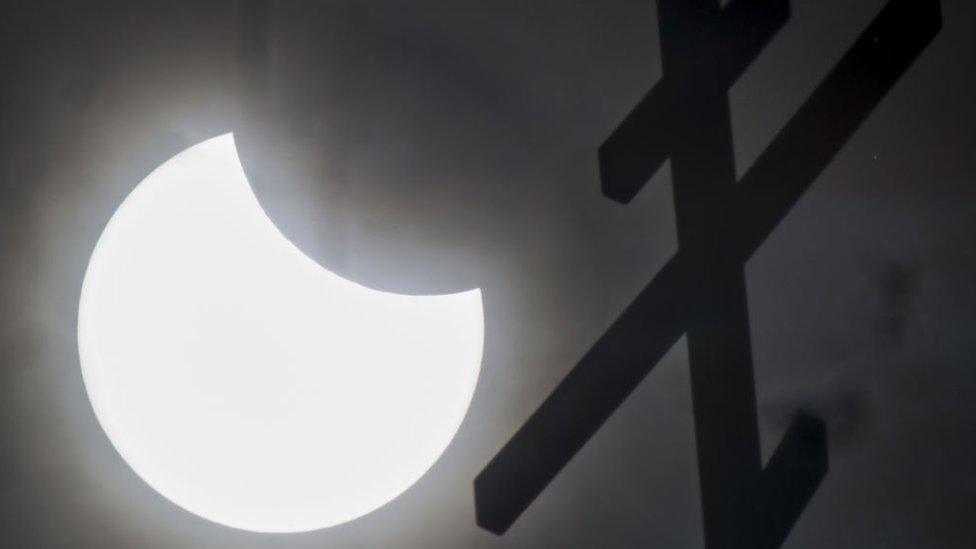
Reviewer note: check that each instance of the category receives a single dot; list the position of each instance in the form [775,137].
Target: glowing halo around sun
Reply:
[245,382]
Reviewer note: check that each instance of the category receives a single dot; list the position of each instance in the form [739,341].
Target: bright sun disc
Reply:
[245,382]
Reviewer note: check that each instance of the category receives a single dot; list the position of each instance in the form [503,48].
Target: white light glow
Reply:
[245,382]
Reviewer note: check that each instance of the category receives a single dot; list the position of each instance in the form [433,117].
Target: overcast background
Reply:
[429,147]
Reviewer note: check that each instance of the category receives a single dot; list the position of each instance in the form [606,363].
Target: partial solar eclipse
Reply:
[245,382]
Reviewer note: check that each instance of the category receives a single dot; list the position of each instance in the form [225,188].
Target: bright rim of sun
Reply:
[246,383]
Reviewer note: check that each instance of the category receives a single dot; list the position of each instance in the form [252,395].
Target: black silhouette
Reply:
[701,290]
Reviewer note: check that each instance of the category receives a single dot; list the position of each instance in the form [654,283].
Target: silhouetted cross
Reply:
[701,290]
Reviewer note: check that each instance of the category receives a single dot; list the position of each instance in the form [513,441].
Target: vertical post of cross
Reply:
[703,178]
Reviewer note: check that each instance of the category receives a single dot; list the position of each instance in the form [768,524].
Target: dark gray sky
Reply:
[429,148]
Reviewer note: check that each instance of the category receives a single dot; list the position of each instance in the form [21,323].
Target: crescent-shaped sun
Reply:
[245,382]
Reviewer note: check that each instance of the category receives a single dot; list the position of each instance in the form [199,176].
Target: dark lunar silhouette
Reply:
[701,290]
